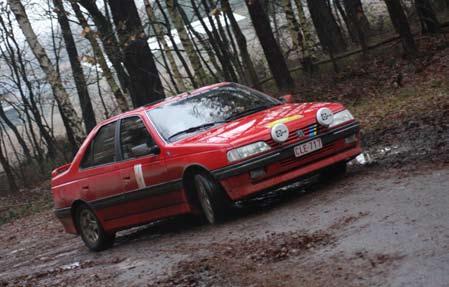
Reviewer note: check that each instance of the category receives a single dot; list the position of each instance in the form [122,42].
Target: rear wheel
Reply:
[212,198]
[91,231]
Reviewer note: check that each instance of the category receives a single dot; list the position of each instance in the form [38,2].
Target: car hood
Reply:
[258,125]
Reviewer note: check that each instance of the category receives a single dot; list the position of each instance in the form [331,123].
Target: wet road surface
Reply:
[374,227]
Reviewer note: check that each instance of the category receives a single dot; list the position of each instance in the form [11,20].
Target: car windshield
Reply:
[182,118]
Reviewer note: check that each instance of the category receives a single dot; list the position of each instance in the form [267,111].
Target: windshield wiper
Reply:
[194,129]
[248,112]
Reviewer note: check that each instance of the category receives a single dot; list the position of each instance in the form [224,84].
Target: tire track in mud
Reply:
[261,261]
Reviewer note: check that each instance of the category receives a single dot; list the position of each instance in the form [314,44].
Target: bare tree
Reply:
[172,7]
[358,21]
[7,167]
[307,37]
[71,120]
[12,55]
[327,29]
[427,17]
[273,53]
[160,36]
[110,44]
[77,71]
[146,85]
[402,26]
[101,59]
[293,25]
[242,43]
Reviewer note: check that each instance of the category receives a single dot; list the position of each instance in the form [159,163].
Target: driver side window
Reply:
[132,134]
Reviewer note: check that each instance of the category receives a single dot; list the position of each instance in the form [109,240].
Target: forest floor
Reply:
[383,224]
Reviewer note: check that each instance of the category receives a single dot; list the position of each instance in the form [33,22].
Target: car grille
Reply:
[300,134]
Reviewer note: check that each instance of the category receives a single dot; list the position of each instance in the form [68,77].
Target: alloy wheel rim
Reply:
[89,226]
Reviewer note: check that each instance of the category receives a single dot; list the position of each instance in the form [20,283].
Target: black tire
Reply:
[334,171]
[213,199]
[91,231]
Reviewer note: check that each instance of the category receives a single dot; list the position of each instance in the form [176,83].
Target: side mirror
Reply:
[144,149]
[286,99]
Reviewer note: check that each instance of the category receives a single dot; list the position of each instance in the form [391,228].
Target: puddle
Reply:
[391,150]
[71,266]
[366,158]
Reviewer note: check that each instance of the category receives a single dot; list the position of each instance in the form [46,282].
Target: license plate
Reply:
[308,147]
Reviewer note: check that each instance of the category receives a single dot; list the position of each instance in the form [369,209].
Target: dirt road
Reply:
[374,227]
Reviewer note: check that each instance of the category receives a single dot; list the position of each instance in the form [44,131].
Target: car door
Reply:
[100,173]
[144,177]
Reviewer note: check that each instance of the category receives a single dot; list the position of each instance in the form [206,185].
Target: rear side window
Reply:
[102,148]
[133,133]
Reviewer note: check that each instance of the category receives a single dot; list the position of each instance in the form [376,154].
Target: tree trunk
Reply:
[146,85]
[355,14]
[272,52]
[160,36]
[402,26]
[8,170]
[349,24]
[181,58]
[243,47]
[17,66]
[307,38]
[328,32]
[226,43]
[206,46]
[23,145]
[87,110]
[219,45]
[110,43]
[293,25]
[99,56]
[361,16]
[172,7]
[71,120]
[429,21]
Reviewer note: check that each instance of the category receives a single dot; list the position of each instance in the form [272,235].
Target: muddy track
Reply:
[376,226]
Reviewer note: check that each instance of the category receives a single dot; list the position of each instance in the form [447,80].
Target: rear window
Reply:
[102,148]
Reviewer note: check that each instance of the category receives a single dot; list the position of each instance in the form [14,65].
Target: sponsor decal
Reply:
[313,131]
[285,120]
[139,176]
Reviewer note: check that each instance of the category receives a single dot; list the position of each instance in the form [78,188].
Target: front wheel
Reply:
[92,233]
[212,198]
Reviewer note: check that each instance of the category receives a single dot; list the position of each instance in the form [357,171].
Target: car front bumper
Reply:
[280,165]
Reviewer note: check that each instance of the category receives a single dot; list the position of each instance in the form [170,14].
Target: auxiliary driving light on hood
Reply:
[279,133]
[325,117]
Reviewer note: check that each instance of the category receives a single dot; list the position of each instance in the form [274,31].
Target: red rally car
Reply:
[198,151]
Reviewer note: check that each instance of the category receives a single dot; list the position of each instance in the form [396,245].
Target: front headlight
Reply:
[247,151]
[341,117]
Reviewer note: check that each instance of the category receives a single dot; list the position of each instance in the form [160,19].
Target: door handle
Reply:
[85,188]
[127,177]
